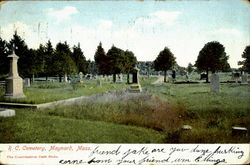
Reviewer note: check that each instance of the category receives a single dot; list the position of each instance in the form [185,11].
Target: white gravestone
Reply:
[26,82]
[7,112]
[14,88]
[215,83]
[80,77]
[244,79]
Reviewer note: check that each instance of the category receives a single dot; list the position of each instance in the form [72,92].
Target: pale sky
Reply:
[142,27]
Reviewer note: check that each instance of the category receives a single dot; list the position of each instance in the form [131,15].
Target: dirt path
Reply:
[159,80]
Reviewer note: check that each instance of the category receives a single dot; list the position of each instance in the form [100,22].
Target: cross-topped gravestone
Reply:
[14,83]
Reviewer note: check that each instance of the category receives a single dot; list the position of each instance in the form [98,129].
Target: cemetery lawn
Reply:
[32,126]
[157,118]
[43,92]
[211,115]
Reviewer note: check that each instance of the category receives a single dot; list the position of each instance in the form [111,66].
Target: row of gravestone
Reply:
[215,82]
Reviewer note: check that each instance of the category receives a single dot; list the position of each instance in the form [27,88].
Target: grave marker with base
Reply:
[14,83]
[135,86]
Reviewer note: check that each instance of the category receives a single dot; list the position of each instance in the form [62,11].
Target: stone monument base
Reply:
[11,96]
[14,88]
[135,88]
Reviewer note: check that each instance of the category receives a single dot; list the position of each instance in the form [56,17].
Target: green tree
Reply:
[48,69]
[116,61]
[190,68]
[212,57]
[4,61]
[21,50]
[79,59]
[129,62]
[164,61]
[246,61]
[102,60]
[63,63]
[36,63]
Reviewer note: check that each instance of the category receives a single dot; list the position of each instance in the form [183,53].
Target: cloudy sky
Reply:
[142,27]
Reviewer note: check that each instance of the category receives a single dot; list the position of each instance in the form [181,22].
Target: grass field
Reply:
[211,115]
[155,118]
[42,92]
[30,126]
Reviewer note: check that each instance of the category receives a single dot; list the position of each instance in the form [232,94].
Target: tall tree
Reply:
[190,68]
[79,59]
[102,60]
[246,61]
[21,50]
[129,62]
[63,63]
[116,58]
[4,61]
[35,62]
[48,59]
[164,61]
[212,57]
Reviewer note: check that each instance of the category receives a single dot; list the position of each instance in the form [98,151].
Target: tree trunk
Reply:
[33,78]
[207,77]
[46,78]
[60,78]
[114,78]
[165,75]
[127,78]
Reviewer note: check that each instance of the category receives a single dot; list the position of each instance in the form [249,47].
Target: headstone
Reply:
[244,79]
[215,83]
[7,112]
[186,127]
[203,76]
[173,75]
[26,82]
[239,131]
[80,77]
[14,83]
[236,77]
[119,80]
[99,83]
[135,86]
[65,78]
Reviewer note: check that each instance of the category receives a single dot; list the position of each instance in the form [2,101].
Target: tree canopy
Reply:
[164,61]
[21,50]
[63,63]
[102,60]
[4,62]
[48,59]
[212,57]
[246,61]
[190,68]
[79,59]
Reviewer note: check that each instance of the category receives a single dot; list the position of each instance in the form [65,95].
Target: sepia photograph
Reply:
[125,72]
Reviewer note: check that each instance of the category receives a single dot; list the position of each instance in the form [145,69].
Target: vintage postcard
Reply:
[124,82]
